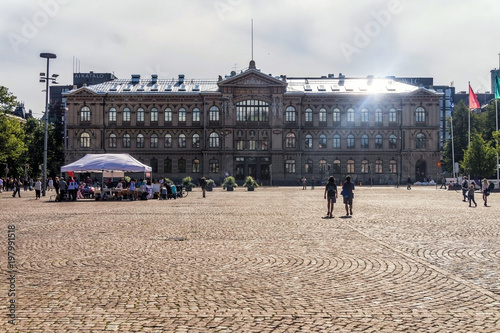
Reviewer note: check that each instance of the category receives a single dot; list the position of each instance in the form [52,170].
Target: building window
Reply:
[154,165]
[350,141]
[154,141]
[126,115]
[112,141]
[336,115]
[393,166]
[264,145]
[392,115]
[308,167]
[309,141]
[290,166]
[196,115]
[168,115]
[322,141]
[167,165]
[181,165]
[240,144]
[350,115]
[336,167]
[85,114]
[213,113]
[85,140]
[364,141]
[393,141]
[309,115]
[290,140]
[182,141]
[420,115]
[140,115]
[378,116]
[168,141]
[421,141]
[196,141]
[126,140]
[196,165]
[213,166]
[213,140]
[364,115]
[378,166]
[365,167]
[290,114]
[323,167]
[182,115]
[252,145]
[322,115]
[112,115]
[153,115]
[336,141]
[350,166]
[252,110]
[140,141]
[378,141]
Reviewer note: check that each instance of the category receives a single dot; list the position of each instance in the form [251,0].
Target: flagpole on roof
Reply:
[452,145]
[470,89]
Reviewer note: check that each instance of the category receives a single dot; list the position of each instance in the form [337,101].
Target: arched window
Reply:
[168,141]
[182,140]
[336,115]
[153,115]
[420,115]
[350,166]
[364,115]
[392,115]
[85,114]
[379,141]
[364,141]
[85,140]
[393,141]
[421,141]
[126,140]
[126,115]
[252,110]
[112,140]
[309,141]
[140,115]
[322,141]
[336,166]
[365,167]
[378,115]
[308,168]
[350,114]
[322,115]
[196,165]
[290,114]
[290,140]
[378,166]
[336,141]
[290,166]
[154,141]
[140,141]
[214,113]
[182,115]
[213,165]
[196,141]
[167,165]
[213,140]
[181,165]
[196,115]
[112,115]
[350,141]
[309,115]
[168,115]
[393,166]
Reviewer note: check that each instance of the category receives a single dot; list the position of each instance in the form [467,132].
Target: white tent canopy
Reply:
[106,163]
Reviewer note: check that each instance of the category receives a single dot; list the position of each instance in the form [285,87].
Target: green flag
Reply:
[497,86]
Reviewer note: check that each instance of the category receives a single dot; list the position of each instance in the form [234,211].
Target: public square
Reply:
[415,260]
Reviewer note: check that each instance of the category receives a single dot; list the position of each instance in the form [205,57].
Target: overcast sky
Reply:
[449,40]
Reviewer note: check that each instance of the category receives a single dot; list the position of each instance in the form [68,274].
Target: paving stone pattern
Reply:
[262,261]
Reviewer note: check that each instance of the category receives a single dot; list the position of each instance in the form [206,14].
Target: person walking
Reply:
[485,188]
[38,188]
[63,188]
[348,194]
[465,189]
[304,183]
[470,194]
[203,185]
[330,195]
[443,183]
[72,189]
[17,188]
[408,183]
[56,186]
[313,180]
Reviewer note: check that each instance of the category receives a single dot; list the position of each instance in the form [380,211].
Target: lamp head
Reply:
[48,55]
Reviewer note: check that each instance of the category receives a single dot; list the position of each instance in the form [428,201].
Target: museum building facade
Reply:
[276,129]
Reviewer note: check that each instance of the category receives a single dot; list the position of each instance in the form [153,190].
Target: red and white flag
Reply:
[473,102]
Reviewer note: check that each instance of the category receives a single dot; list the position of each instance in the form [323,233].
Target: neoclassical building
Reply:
[276,129]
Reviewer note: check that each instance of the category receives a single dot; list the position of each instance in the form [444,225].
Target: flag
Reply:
[497,86]
[473,102]
[452,105]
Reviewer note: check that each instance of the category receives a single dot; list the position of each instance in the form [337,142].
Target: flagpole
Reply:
[452,149]
[469,113]
[496,118]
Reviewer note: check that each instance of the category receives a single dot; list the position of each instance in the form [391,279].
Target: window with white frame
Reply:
[168,115]
[153,115]
[364,141]
[350,166]
[379,143]
[378,166]
[112,140]
[290,114]
[153,141]
[126,140]
[290,140]
[365,167]
[126,115]
[140,141]
[421,141]
[336,115]
[196,115]
[182,115]
[350,115]
[85,114]
[393,141]
[112,115]
[336,141]
[350,141]
[378,115]
[85,140]
[322,141]
[322,115]
[168,141]
[213,140]
[393,115]
[213,113]
[420,115]
[309,141]
[290,166]
[196,141]
[309,115]
[393,166]
[182,140]
[364,115]
[140,115]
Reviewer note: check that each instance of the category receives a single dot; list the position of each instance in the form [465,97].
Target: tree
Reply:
[11,145]
[34,130]
[480,158]
[7,101]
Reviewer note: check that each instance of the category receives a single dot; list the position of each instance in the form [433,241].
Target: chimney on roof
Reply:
[181,78]
[331,76]
[154,78]
[136,78]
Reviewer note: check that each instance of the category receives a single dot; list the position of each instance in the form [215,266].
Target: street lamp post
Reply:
[46,79]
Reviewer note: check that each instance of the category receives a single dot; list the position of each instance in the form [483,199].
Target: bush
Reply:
[187,182]
[229,182]
[250,182]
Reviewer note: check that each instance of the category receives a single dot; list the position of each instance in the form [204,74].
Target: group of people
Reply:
[468,191]
[331,195]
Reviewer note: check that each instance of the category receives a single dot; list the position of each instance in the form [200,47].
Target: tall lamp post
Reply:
[44,77]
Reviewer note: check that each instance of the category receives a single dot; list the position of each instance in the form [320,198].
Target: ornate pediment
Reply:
[252,78]
[81,92]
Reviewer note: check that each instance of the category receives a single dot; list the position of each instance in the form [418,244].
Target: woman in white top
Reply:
[118,189]
[485,189]
[131,190]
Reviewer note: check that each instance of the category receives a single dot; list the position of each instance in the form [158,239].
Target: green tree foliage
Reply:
[7,101]
[33,156]
[12,145]
[479,158]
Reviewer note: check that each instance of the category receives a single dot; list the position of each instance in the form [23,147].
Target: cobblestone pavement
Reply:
[263,261]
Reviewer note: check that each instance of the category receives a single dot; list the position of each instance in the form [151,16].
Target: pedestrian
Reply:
[408,183]
[38,188]
[203,185]
[56,186]
[312,183]
[443,183]
[471,196]
[132,193]
[348,194]
[485,188]
[330,195]
[1,185]
[72,189]
[63,188]
[51,184]
[304,183]
[17,188]
[465,189]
